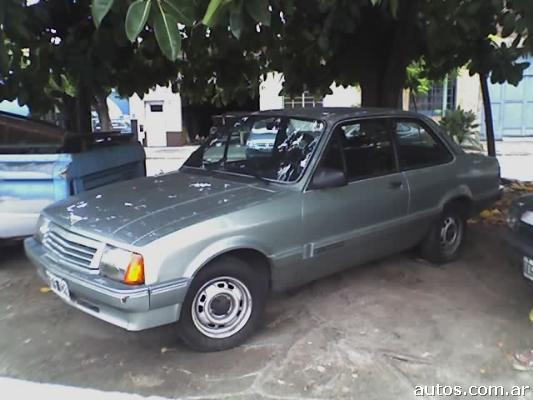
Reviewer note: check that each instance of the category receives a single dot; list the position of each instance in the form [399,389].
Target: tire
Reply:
[445,238]
[227,289]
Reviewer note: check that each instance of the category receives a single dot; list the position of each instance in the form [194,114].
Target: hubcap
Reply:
[451,234]
[221,307]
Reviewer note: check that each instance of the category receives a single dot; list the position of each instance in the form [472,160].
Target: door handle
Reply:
[395,185]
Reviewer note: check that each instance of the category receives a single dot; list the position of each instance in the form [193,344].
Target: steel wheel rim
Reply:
[451,233]
[221,307]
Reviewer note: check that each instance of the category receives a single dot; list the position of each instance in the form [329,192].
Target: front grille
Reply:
[70,249]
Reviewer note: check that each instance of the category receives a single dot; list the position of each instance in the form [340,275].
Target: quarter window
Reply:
[417,147]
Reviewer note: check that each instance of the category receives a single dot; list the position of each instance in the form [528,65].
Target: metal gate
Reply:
[512,107]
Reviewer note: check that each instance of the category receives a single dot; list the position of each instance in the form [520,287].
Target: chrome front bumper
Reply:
[133,308]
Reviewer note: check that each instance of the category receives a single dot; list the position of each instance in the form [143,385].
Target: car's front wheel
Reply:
[223,306]
[445,238]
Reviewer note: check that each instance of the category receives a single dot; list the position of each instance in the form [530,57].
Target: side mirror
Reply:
[325,178]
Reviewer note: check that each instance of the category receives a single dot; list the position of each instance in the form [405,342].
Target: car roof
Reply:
[334,114]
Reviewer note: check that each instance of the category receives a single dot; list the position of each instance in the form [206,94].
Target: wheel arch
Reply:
[254,255]
[462,196]
[464,203]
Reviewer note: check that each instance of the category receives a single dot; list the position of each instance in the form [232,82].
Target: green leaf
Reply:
[259,11]
[182,10]
[213,10]
[99,10]
[136,18]
[235,22]
[508,25]
[167,35]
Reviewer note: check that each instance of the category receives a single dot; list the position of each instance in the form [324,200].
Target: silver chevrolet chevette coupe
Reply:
[279,199]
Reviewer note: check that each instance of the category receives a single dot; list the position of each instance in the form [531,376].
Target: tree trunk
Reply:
[83,124]
[489,125]
[376,92]
[68,112]
[103,112]
[388,52]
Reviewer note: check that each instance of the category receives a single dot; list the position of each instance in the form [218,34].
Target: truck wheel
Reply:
[223,305]
[445,238]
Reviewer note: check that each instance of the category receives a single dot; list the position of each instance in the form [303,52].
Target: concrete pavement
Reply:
[516,159]
[373,332]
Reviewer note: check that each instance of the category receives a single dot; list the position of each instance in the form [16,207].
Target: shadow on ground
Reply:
[373,332]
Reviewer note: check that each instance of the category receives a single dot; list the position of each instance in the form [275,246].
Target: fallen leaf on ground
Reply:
[166,350]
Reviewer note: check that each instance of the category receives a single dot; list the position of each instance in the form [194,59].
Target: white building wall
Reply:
[155,126]
[469,92]
[270,98]
[343,97]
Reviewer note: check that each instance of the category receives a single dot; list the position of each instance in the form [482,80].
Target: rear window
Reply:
[418,147]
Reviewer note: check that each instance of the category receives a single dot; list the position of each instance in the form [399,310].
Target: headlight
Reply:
[122,265]
[43,226]
[527,218]
[513,216]
[517,213]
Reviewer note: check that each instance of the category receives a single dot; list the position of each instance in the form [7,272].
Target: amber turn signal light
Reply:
[135,272]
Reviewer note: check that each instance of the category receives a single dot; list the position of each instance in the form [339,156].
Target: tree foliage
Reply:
[460,124]
[56,56]
[215,50]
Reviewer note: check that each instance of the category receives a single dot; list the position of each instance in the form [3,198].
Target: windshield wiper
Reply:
[250,172]
[210,165]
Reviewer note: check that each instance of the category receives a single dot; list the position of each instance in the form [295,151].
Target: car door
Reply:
[362,220]
[428,167]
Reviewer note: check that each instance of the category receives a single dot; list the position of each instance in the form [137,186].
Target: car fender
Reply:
[461,191]
[221,247]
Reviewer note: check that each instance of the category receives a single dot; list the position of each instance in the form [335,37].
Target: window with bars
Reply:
[306,100]
[442,96]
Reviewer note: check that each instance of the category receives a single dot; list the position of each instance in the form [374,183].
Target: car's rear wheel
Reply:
[445,238]
[224,305]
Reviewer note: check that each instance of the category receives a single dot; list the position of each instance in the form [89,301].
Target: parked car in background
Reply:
[519,234]
[203,246]
[41,163]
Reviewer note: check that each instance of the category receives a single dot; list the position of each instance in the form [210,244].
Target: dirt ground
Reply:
[373,332]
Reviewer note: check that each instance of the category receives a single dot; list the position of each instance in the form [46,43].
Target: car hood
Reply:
[139,211]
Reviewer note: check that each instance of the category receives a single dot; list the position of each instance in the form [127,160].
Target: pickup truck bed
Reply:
[39,168]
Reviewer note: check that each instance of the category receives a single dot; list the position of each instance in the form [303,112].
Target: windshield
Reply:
[273,148]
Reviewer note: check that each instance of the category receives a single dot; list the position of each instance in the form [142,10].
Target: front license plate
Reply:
[59,286]
[528,268]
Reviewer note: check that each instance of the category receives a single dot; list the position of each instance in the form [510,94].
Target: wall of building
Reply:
[469,93]
[158,128]
[343,97]
[270,98]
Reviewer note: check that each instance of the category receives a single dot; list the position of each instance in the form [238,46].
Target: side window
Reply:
[417,147]
[367,147]
[332,157]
